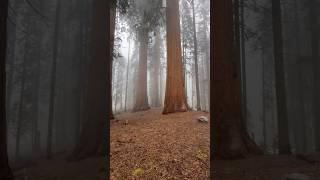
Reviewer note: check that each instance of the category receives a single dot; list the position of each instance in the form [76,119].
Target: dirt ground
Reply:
[149,145]
[57,169]
[264,168]
[156,146]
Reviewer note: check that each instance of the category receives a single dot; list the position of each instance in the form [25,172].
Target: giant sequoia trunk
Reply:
[94,131]
[175,98]
[141,101]
[5,172]
[230,139]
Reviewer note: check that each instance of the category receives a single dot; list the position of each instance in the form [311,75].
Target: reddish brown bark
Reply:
[175,98]
[5,172]
[141,101]
[230,139]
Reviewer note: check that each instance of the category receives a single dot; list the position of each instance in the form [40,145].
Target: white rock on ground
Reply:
[203,119]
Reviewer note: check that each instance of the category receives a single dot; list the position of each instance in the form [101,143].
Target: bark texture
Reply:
[230,139]
[175,98]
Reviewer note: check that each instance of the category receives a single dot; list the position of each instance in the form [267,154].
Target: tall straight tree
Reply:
[5,172]
[141,101]
[21,104]
[230,138]
[175,98]
[53,80]
[112,31]
[195,46]
[243,61]
[94,132]
[283,129]
[156,71]
[238,40]
[127,76]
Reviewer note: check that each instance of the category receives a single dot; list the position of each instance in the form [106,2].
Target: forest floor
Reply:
[175,146]
[60,169]
[264,168]
[156,146]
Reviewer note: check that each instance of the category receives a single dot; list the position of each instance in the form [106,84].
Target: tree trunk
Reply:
[53,81]
[5,172]
[161,86]
[238,55]
[21,103]
[300,124]
[175,98]
[156,74]
[94,133]
[195,43]
[116,89]
[283,127]
[230,138]
[127,78]
[112,31]
[141,102]
[35,145]
[264,97]
[243,63]
[12,37]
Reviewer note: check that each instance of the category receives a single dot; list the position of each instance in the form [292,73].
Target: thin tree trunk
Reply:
[243,63]
[36,144]
[161,86]
[283,129]
[300,125]
[116,77]
[21,108]
[264,123]
[11,62]
[53,82]
[112,31]
[238,53]
[127,78]
[195,43]
[185,76]
[121,93]
[156,74]
[175,98]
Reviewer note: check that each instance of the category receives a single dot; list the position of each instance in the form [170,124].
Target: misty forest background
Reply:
[267,58]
